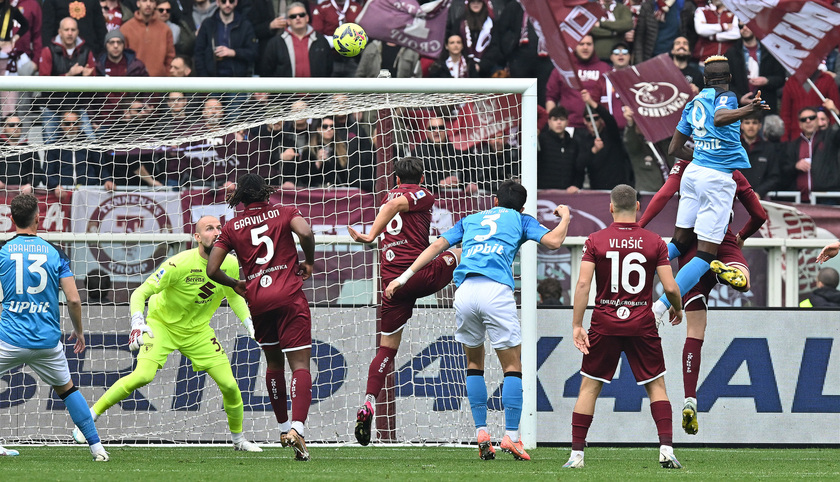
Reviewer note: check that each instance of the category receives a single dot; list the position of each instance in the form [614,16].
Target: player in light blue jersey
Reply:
[484,301]
[713,120]
[31,273]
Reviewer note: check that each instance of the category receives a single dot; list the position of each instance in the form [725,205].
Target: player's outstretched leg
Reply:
[232,397]
[729,274]
[80,413]
[377,372]
[8,452]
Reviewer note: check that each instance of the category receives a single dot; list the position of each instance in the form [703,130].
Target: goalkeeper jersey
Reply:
[183,297]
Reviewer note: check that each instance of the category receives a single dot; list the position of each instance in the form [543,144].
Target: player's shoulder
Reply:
[182,260]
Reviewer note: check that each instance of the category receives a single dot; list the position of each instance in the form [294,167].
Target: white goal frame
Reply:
[527,88]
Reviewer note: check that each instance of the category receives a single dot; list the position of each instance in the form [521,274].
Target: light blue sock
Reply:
[80,413]
[512,400]
[477,394]
[688,276]
[673,252]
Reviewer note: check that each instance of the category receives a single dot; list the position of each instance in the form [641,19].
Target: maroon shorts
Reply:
[429,280]
[643,352]
[287,328]
[728,253]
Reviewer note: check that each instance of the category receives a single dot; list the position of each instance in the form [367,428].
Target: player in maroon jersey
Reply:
[694,301]
[404,222]
[624,258]
[273,286]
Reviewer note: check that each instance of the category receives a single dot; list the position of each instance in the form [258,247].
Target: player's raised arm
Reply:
[307,244]
[74,308]
[440,245]
[581,298]
[724,117]
[672,291]
[554,238]
[386,214]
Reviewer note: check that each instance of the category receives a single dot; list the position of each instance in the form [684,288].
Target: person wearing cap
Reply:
[116,61]
[150,38]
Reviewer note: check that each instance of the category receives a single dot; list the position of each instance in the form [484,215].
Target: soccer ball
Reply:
[349,39]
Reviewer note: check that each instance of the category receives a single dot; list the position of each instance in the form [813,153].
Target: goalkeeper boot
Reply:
[8,452]
[485,446]
[517,449]
[295,440]
[101,456]
[575,462]
[689,416]
[729,274]
[78,436]
[246,446]
[667,459]
[364,419]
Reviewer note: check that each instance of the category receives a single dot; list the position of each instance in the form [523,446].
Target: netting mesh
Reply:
[126,176]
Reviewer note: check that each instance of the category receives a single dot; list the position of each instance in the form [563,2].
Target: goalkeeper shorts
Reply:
[202,348]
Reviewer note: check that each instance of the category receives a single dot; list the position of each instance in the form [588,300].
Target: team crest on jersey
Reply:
[675,170]
[265,281]
[448,260]
[389,255]
[623,313]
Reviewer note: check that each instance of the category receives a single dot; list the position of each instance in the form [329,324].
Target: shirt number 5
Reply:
[489,220]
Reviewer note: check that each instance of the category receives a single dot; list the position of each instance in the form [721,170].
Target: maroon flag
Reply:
[560,25]
[481,120]
[798,33]
[407,23]
[657,104]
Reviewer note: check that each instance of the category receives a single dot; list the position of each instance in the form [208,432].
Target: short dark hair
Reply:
[623,198]
[409,169]
[250,188]
[187,60]
[716,70]
[24,208]
[811,108]
[620,44]
[754,115]
[550,290]
[829,277]
[512,195]
[558,112]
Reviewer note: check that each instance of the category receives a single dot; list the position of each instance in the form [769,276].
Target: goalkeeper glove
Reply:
[138,327]
[249,327]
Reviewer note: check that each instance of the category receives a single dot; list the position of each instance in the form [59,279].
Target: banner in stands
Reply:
[55,214]
[98,211]
[799,33]
[407,23]
[483,120]
[657,104]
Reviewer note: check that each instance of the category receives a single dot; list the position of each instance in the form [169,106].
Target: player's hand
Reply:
[359,237]
[305,270]
[562,211]
[138,327]
[739,241]
[249,327]
[676,316]
[581,339]
[80,341]
[392,287]
[241,288]
[828,105]
[758,105]
[828,252]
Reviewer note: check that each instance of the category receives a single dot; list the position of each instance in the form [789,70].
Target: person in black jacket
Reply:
[71,167]
[605,159]
[279,59]
[764,170]
[88,15]
[452,64]
[237,58]
[23,169]
[558,158]
[754,68]
[826,295]
[811,162]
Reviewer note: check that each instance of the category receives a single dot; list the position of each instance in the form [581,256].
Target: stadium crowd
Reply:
[793,148]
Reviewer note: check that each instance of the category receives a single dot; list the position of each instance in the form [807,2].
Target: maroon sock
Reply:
[691,366]
[661,412]
[580,427]
[379,368]
[275,382]
[301,391]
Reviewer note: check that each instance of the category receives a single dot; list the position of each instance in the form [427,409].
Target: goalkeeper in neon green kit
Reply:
[182,300]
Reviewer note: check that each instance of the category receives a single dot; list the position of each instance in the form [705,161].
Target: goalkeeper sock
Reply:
[661,412]
[580,427]
[512,400]
[275,382]
[379,369]
[477,395]
[79,412]
[690,274]
[301,391]
[232,397]
[237,437]
[691,365]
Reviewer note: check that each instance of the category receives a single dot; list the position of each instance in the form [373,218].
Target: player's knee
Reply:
[142,378]
[706,256]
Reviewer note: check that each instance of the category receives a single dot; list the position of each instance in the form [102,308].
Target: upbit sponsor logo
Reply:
[24,306]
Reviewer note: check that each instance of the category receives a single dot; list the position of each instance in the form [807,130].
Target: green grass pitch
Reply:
[411,463]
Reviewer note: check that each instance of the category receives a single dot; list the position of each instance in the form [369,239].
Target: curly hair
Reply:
[251,188]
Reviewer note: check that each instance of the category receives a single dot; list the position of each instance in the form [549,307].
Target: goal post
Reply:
[170,194]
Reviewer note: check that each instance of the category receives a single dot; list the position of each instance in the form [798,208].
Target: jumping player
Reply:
[404,222]
[182,302]
[694,302]
[273,286]
[623,258]
[484,301]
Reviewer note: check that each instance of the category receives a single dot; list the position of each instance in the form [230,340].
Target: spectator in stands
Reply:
[823,121]
[88,15]
[267,23]
[133,167]
[183,36]
[646,168]
[717,29]
[72,167]
[550,291]
[210,161]
[226,45]
[681,55]
[773,128]
[590,70]
[668,17]
[300,51]
[178,117]
[66,55]
[201,11]
[8,58]
[558,158]
[495,161]
[611,27]
[400,62]
[475,25]
[325,160]
[24,169]
[181,66]
[115,13]
[811,159]
[765,160]
[514,44]
[30,44]
[754,68]
[442,163]
[604,157]
[452,63]
[619,58]
[643,36]
[796,96]
[326,17]
[826,295]
[150,38]
[117,61]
